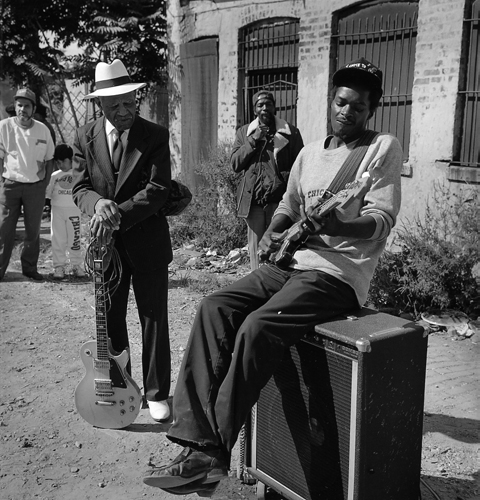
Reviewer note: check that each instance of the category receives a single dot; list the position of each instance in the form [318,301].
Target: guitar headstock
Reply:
[100,252]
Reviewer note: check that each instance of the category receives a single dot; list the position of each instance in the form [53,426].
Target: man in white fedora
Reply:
[122,179]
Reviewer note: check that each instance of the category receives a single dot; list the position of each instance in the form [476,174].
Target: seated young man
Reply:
[240,333]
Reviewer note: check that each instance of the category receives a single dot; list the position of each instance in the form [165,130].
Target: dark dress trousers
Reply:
[140,189]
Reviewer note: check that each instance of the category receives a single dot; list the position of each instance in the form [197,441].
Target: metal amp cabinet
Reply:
[341,419]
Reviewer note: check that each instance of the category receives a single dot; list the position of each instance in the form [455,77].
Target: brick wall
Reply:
[436,76]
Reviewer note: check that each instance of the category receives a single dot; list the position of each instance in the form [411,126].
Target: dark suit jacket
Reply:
[140,190]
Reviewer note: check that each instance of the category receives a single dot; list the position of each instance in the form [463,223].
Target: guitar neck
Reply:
[100,310]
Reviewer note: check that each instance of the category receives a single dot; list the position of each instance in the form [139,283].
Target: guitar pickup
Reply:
[105,403]
[103,387]
[101,364]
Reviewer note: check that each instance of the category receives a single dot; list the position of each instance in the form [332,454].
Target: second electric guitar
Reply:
[107,396]
[298,234]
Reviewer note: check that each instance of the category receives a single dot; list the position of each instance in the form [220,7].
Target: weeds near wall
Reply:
[438,261]
[211,219]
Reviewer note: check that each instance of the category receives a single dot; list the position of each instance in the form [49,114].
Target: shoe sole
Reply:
[199,487]
[171,481]
[167,482]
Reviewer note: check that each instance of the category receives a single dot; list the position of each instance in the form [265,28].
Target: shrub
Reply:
[434,267]
[211,219]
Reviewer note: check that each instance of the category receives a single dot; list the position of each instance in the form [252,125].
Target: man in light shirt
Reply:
[26,164]
[241,333]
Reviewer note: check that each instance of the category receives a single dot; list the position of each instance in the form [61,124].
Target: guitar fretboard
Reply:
[336,199]
[100,312]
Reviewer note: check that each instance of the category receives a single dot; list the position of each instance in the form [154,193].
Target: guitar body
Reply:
[296,236]
[109,403]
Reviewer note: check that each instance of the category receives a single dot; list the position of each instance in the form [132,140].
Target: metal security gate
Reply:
[386,35]
[469,154]
[268,59]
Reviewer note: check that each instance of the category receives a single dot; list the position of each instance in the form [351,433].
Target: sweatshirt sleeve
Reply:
[383,200]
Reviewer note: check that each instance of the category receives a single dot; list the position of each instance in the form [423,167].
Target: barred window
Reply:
[386,35]
[467,128]
[268,59]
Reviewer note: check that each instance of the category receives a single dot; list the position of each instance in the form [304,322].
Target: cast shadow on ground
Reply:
[447,488]
[151,427]
[466,430]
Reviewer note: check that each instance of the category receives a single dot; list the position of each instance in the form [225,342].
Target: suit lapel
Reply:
[137,137]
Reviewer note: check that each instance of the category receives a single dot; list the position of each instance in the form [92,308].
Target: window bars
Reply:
[386,35]
[468,127]
[268,58]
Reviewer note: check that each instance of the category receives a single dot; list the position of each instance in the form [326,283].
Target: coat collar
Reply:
[281,126]
[279,139]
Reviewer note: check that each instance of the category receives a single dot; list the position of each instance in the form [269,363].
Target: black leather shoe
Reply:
[34,275]
[191,465]
[199,487]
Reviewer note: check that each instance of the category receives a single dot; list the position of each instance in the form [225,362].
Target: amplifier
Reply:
[341,419]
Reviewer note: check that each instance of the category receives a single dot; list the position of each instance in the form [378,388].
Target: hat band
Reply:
[112,82]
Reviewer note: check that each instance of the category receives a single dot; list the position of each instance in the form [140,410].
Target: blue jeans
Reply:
[238,339]
[14,195]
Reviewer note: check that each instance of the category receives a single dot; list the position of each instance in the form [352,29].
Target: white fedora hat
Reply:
[112,79]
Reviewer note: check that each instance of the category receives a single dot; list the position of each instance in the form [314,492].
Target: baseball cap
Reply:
[263,94]
[62,152]
[361,71]
[26,94]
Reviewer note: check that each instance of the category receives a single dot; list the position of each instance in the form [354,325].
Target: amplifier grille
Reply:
[303,422]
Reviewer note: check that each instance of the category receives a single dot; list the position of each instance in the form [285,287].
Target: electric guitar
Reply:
[299,233]
[107,396]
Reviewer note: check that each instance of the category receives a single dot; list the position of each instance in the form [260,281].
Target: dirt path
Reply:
[49,452]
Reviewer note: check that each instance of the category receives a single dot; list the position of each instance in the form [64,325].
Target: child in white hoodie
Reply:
[65,226]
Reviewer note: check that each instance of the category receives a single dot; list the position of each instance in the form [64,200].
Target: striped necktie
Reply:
[117,151]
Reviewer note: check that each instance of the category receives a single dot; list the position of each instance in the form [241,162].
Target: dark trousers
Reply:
[14,195]
[237,341]
[151,295]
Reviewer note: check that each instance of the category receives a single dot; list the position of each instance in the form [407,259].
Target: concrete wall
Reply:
[437,66]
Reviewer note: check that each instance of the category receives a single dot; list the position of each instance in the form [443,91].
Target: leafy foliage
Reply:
[34,32]
[211,219]
[435,266]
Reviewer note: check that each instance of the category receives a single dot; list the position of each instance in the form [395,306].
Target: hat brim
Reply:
[118,90]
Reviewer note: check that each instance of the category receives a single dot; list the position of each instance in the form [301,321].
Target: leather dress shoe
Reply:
[199,487]
[34,275]
[191,465]
[159,410]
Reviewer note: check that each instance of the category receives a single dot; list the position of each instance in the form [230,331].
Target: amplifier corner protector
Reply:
[363,345]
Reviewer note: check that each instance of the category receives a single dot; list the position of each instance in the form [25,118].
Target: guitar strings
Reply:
[112,283]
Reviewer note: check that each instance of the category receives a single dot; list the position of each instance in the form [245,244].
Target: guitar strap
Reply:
[349,168]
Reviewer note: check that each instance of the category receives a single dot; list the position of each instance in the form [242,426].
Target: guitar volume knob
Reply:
[121,403]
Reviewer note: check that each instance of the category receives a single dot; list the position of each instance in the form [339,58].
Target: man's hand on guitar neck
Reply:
[325,224]
[99,231]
